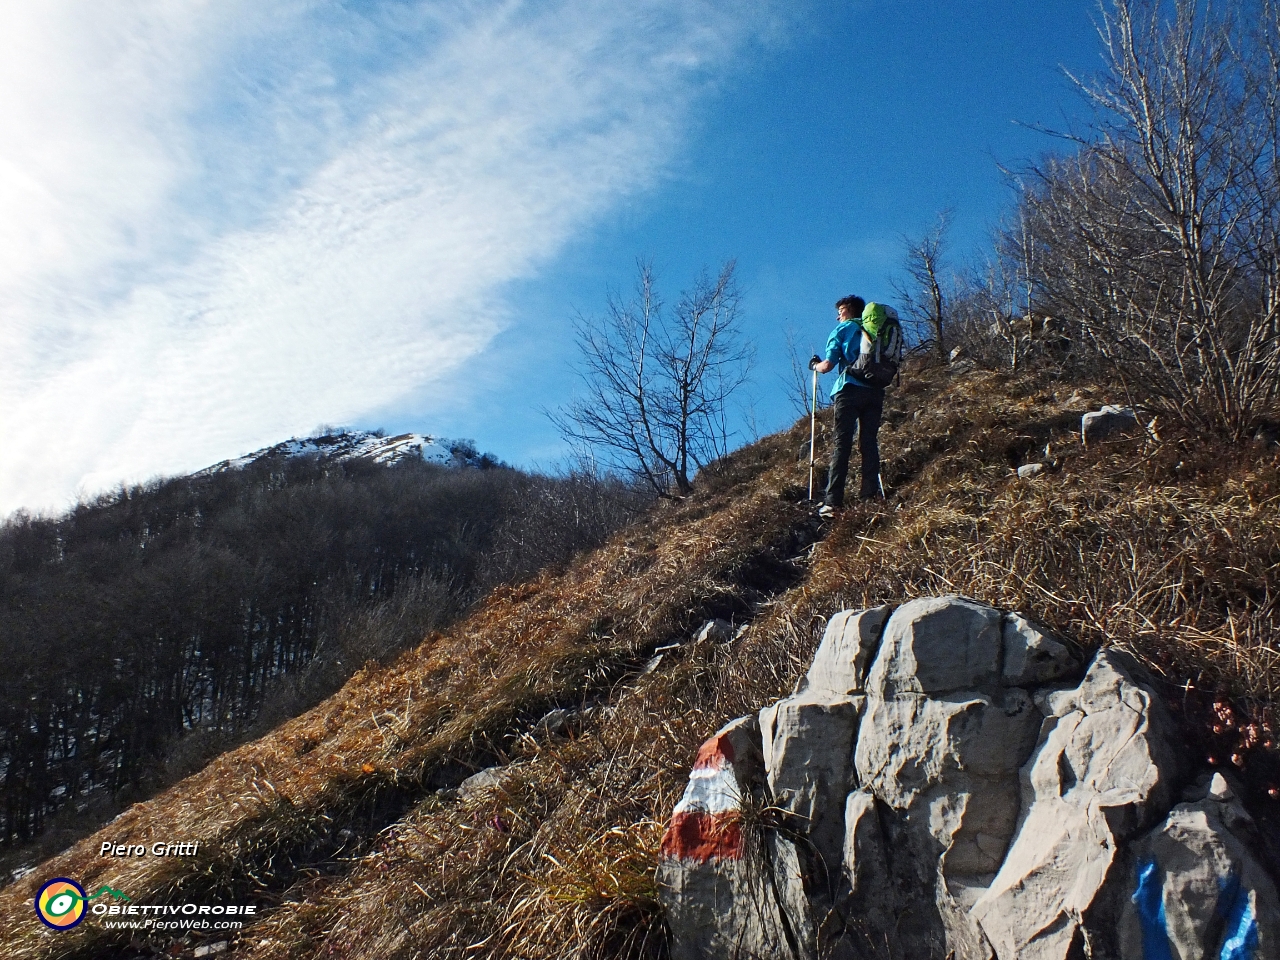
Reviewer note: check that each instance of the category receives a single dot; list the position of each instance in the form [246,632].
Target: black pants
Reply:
[856,408]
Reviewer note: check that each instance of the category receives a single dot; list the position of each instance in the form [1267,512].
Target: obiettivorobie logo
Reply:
[61,902]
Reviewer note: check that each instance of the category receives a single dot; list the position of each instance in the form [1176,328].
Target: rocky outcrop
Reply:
[1109,421]
[955,781]
[725,898]
[1103,769]
[1198,892]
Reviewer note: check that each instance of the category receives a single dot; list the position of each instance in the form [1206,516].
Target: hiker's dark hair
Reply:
[856,304]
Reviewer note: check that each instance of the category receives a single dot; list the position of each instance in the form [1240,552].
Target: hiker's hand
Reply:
[814,361]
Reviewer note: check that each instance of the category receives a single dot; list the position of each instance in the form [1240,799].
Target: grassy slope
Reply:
[333,822]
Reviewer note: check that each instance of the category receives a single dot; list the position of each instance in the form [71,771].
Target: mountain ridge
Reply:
[373,446]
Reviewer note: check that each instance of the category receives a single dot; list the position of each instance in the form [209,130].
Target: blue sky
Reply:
[222,225]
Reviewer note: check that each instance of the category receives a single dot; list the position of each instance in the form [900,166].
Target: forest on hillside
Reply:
[153,627]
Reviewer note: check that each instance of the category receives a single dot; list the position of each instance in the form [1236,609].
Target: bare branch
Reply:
[657,387]
[1158,240]
[926,293]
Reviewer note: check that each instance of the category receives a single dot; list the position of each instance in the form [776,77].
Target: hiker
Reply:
[858,403]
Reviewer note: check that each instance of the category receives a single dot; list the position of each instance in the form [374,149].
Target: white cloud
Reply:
[220,226]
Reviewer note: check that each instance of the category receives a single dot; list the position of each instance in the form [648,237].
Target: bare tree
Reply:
[986,309]
[925,294]
[1160,238]
[994,302]
[797,383]
[657,386]
[1010,290]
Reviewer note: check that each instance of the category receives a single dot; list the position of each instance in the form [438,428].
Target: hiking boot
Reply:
[827,511]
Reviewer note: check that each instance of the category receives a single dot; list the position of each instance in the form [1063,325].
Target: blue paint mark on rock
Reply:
[1149,899]
[1235,906]
[1240,939]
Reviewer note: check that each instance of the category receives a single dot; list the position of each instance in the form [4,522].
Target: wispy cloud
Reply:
[221,225]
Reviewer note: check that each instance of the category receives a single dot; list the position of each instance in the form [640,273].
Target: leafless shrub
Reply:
[995,313]
[926,294]
[657,386]
[799,381]
[1160,238]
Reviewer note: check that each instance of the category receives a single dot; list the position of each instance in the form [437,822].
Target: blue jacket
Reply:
[843,347]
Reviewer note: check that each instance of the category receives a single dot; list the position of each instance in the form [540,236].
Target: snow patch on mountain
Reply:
[360,445]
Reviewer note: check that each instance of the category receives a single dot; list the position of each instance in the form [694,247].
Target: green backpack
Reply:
[881,354]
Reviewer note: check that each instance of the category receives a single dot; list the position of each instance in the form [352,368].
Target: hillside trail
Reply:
[303,804]
[587,693]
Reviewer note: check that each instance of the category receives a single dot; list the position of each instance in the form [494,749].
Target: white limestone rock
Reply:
[1219,789]
[808,756]
[848,646]
[1196,886]
[748,908]
[1111,419]
[1102,771]
[864,923]
[714,631]
[976,802]
[724,895]
[1033,655]
[937,645]
[481,782]
[909,744]
[949,768]
[866,857]
[940,746]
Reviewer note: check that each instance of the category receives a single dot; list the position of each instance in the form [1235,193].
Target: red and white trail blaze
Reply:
[707,822]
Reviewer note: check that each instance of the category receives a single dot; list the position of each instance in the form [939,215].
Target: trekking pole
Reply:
[813,427]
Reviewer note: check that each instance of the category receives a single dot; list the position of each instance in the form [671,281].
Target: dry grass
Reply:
[454,702]
[1167,549]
